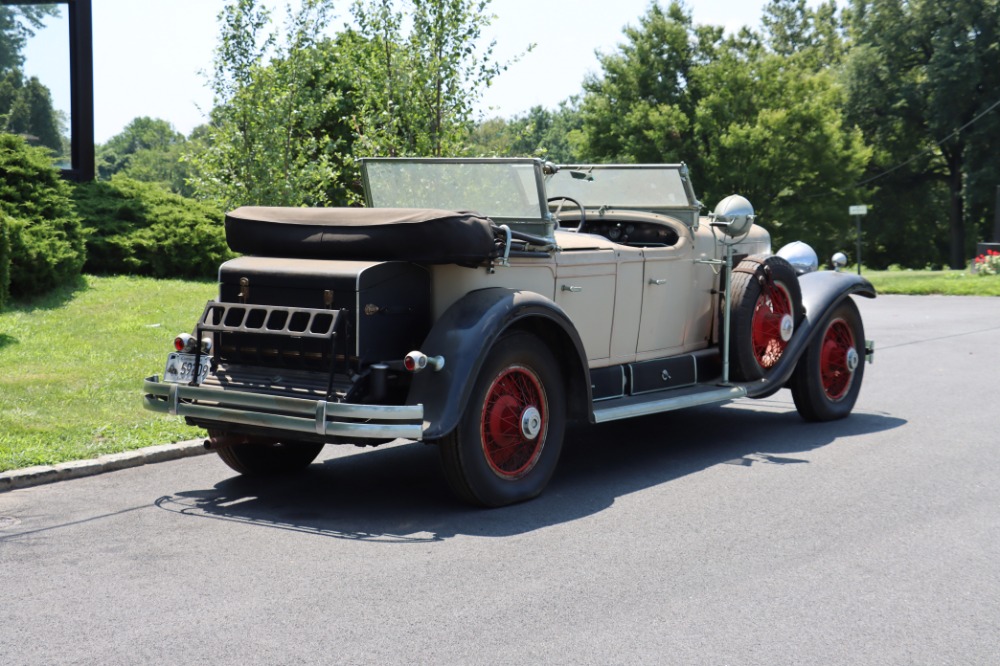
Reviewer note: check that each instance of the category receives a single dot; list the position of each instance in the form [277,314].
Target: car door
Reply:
[667,289]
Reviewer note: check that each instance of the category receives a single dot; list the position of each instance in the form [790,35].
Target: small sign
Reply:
[858,210]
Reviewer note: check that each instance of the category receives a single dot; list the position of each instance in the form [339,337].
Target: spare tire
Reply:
[765,309]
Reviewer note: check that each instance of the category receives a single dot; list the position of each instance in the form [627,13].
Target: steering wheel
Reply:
[562,199]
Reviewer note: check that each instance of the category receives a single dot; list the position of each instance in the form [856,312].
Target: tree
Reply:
[420,87]
[26,105]
[922,78]
[18,23]
[262,147]
[743,116]
[141,134]
[552,135]
[294,110]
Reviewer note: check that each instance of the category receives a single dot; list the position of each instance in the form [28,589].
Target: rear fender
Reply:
[821,293]
[467,330]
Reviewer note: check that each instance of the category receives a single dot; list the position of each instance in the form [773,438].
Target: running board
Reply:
[626,408]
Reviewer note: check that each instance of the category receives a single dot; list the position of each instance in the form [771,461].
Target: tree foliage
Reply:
[422,83]
[25,103]
[756,114]
[46,240]
[294,110]
[923,78]
[551,135]
[261,145]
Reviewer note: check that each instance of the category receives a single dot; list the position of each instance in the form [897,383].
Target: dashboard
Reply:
[631,233]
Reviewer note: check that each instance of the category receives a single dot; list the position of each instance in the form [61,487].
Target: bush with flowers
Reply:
[988,264]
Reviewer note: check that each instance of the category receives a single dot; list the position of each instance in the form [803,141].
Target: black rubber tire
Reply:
[824,387]
[469,455]
[260,457]
[754,349]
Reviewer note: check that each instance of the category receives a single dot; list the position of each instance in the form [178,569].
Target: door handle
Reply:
[657,281]
[567,287]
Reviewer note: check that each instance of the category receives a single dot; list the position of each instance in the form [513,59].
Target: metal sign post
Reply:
[858,212]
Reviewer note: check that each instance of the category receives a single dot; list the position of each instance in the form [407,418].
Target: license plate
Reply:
[180,368]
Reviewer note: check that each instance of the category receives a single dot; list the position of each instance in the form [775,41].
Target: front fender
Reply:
[821,292]
[464,334]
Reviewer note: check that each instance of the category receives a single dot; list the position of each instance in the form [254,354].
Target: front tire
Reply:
[827,380]
[508,440]
[256,456]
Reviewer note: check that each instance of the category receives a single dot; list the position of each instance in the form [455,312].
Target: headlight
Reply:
[802,257]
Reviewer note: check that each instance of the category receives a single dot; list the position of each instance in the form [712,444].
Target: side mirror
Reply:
[733,216]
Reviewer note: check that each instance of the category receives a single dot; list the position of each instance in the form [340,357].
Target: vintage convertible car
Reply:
[481,304]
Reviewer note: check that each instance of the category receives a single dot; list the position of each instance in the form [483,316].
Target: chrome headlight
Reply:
[802,257]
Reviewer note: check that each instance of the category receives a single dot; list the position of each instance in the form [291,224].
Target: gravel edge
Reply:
[41,474]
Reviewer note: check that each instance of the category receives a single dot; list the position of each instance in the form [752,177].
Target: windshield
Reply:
[640,186]
[498,188]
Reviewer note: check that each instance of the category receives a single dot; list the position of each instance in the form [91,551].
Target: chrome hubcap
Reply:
[787,327]
[531,423]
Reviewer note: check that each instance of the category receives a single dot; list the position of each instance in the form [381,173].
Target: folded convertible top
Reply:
[420,235]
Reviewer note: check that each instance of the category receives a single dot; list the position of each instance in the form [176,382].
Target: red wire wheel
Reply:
[514,422]
[828,376]
[838,359]
[508,439]
[772,312]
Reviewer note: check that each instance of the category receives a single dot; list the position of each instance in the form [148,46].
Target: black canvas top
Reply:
[371,234]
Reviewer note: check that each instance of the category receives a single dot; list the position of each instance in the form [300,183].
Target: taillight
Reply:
[188,343]
[184,343]
[416,361]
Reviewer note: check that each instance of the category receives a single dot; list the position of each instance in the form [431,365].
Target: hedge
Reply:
[143,229]
[46,240]
[4,261]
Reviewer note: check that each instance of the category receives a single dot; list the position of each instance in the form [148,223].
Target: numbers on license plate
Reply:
[180,368]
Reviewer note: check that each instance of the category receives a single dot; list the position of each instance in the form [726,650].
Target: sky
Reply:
[150,55]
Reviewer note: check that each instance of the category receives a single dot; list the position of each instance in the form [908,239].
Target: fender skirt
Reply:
[821,292]
[465,333]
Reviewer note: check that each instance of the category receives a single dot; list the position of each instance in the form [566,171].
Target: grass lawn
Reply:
[950,283]
[72,364]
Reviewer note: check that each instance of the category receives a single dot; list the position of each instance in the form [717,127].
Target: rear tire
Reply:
[261,457]
[508,440]
[828,377]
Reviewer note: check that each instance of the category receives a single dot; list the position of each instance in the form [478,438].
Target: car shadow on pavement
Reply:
[399,494]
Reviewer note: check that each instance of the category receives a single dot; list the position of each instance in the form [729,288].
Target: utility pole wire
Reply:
[928,149]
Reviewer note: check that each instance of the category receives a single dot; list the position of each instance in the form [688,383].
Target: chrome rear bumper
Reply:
[314,417]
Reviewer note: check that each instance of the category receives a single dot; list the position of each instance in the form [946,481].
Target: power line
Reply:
[929,148]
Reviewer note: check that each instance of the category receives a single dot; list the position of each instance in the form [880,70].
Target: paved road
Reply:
[724,535]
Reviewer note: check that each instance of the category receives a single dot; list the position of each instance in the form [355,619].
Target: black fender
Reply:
[821,292]
[464,334]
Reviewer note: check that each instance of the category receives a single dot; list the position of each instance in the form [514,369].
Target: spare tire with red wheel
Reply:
[765,309]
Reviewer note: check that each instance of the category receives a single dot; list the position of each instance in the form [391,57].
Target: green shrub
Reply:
[143,229]
[4,261]
[46,239]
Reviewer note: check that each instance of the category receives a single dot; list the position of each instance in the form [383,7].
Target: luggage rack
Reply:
[270,319]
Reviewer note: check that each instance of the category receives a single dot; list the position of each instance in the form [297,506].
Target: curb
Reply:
[41,474]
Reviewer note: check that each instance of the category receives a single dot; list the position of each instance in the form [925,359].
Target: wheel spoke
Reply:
[509,452]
